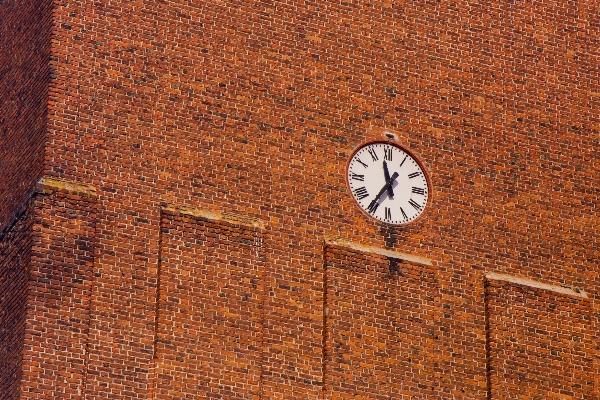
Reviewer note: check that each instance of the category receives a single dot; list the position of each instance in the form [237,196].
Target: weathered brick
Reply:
[159,155]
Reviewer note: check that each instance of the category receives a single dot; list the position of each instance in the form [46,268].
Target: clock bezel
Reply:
[417,159]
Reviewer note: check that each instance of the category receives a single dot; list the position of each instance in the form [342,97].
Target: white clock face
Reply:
[388,183]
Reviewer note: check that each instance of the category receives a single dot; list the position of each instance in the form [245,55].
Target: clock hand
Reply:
[373,205]
[390,189]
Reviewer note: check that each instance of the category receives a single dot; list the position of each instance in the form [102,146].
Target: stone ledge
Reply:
[51,185]
[231,218]
[335,241]
[566,290]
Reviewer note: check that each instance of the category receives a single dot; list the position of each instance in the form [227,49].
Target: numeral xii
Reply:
[387,153]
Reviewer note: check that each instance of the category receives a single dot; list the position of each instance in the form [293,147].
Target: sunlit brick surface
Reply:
[118,118]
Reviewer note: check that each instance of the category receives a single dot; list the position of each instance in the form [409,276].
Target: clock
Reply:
[388,183]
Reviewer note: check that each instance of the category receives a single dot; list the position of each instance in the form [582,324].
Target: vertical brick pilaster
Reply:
[15,255]
[61,275]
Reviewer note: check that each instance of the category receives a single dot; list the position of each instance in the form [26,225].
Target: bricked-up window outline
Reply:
[379,332]
[539,340]
[209,322]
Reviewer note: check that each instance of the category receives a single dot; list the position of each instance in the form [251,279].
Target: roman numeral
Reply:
[373,207]
[357,177]
[361,193]
[373,154]
[402,163]
[403,213]
[363,164]
[388,214]
[387,153]
[414,174]
[414,204]
[418,190]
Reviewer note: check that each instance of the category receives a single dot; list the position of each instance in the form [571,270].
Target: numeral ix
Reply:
[357,176]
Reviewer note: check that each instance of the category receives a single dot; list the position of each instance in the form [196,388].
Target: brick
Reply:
[148,147]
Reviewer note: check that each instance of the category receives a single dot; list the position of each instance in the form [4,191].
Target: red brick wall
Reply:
[24,79]
[60,284]
[252,108]
[15,254]
[541,343]
[381,336]
[209,340]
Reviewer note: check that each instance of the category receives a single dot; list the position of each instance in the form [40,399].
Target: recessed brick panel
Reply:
[541,344]
[380,327]
[209,318]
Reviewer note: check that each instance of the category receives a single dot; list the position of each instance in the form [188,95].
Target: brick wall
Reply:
[24,79]
[15,254]
[59,292]
[210,315]
[251,109]
[381,339]
[541,343]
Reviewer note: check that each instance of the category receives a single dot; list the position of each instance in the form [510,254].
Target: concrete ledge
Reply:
[566,290]
[334,241]
[51,185]
[232,218]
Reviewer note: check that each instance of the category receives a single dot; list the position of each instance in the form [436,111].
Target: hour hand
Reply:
[386,172]
[374,204]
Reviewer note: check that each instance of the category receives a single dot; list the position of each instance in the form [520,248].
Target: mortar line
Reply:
[324,324]
[153,376]
[486,316]
[86,362]
[262,262]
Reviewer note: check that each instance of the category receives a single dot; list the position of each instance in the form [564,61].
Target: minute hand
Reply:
[390,189]
[372,205]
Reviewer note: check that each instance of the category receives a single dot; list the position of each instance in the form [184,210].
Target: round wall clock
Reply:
[388,183]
